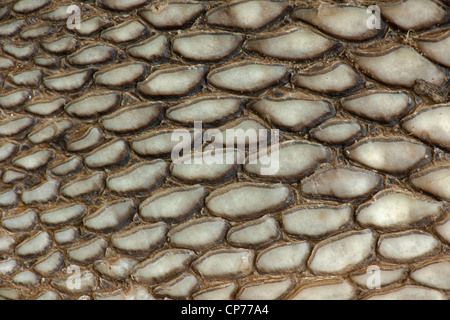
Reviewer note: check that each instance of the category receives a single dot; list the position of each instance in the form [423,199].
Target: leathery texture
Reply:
[359,208]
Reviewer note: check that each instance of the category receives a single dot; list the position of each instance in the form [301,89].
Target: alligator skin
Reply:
[93,206]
